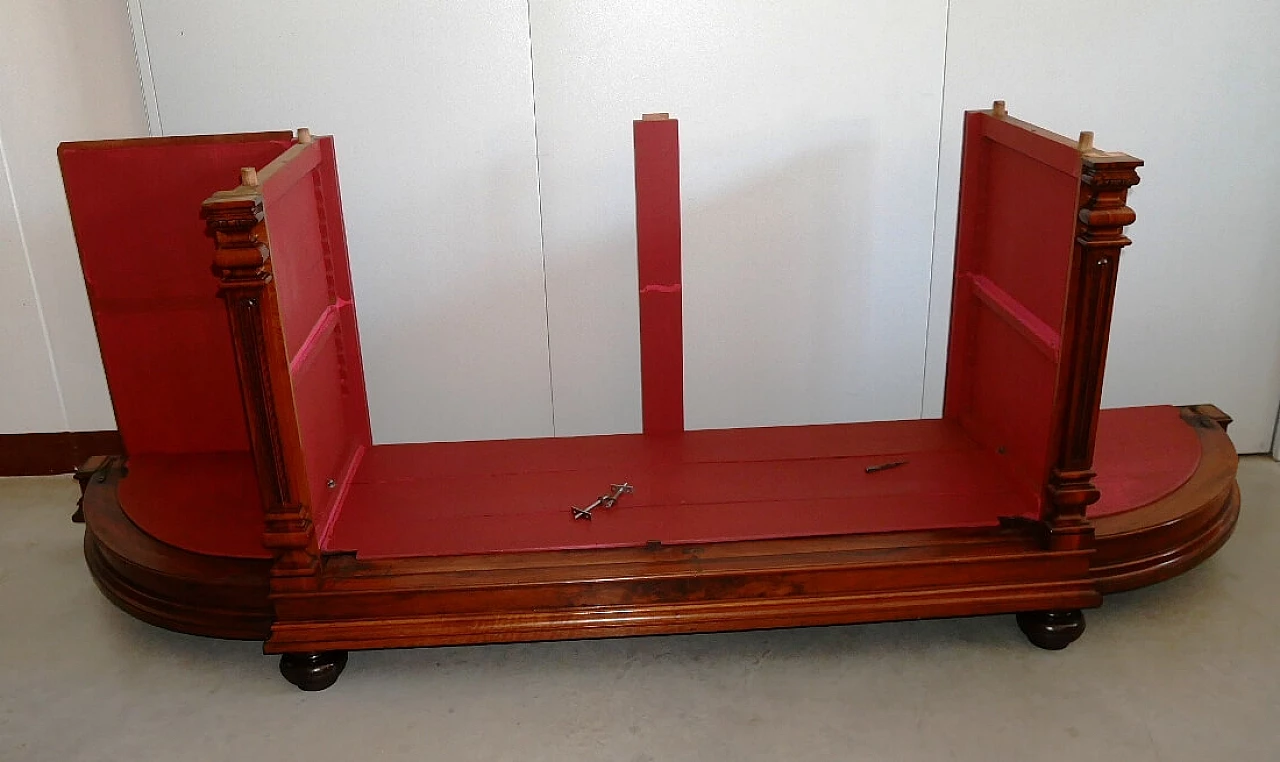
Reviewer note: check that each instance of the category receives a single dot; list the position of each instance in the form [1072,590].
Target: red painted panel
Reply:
[205,503]
[1058,152]
[327,440]
[173,379]
[697,487]
[135,208]
[1018,317]
[313,288]
[303,285]
[657,170]
[495,496]
[1141,455]
[333,234]
[724,485]
[1011,402]
[1018,201]
[1028,231]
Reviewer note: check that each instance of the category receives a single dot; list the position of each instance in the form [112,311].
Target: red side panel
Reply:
[166,348]
[1018,199]
[313,293]
[657,148]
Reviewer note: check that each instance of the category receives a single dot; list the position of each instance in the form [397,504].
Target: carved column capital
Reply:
[1104,183]
[242,255]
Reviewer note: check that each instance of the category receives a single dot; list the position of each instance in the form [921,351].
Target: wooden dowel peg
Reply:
[249,177]
[304,135]
[1086,141]
[655,117]
[998,110]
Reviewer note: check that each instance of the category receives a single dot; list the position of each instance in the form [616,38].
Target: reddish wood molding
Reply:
[242,262]
[631,591]
[158,583]
[1104,187]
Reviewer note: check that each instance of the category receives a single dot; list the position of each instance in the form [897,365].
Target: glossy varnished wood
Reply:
[721,586]
[161,584]
[1166,538]
[661,589]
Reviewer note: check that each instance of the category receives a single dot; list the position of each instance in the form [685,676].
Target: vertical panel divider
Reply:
[657,170]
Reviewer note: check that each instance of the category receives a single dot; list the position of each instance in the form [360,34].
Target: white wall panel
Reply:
[431,106]
[1191,89]
[66,73]
[30,400]
[809,136]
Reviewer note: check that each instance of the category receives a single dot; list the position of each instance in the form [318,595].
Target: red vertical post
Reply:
[657,147]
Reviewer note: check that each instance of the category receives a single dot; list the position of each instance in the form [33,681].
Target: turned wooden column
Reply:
[1103,213]
[242,263]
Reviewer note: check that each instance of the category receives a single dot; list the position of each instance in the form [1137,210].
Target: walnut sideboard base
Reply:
[560,595]
[255,504]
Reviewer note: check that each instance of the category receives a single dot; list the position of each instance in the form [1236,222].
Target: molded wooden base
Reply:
[313,671]
[662,589]
[163,585]
[1052,630]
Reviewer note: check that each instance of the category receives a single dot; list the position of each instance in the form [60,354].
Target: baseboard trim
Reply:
[57,453]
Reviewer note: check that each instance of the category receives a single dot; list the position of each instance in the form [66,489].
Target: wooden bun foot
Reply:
[1052,630]
[313,671]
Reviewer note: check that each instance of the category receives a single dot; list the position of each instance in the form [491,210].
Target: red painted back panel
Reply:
[298,260]
[1018,199]
[313,292]
[166,347]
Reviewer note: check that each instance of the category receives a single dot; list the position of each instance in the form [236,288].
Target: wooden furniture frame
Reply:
[254,504]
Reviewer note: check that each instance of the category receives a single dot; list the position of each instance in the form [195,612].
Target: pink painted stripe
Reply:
[1021,319]
[344,487]
[319,332]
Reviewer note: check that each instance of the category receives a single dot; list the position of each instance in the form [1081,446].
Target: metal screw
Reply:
[585,513]
[608,501]
[618,491]
[331,483]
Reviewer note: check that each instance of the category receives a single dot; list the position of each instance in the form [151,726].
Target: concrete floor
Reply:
[1187,670]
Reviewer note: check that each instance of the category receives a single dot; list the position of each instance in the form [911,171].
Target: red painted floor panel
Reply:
[202,502]
[707,486]
[703,486]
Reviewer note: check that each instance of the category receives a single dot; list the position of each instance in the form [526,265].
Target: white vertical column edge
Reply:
[931,392]
[142,60]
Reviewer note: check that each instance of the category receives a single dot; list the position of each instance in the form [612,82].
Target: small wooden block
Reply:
[304,135]
[655,117]
[1086,142]
[998,110]
[249,177]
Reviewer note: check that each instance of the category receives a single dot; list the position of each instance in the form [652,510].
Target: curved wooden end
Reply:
[1166,538]
[163,585]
